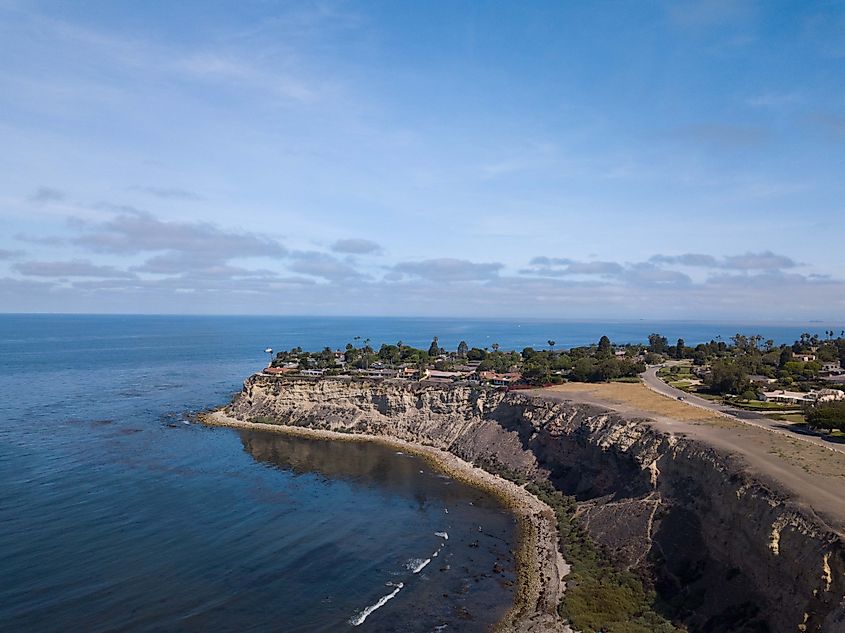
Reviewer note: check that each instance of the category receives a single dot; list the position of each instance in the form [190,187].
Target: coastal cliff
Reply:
[725,551]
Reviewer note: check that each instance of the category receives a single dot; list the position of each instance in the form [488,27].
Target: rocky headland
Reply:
[724,550]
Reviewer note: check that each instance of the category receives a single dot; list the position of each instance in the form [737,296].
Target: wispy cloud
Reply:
[356,246]
[687,259]
[134,231]
[73,268]
[775,100]
[167,193]
[758,261]
[46,240]
[448,269]
[10,254]
[323,265]
[213,66]
[45,195]
[563,267]
[765,260]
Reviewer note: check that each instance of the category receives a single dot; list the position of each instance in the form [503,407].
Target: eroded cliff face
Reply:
[726,552]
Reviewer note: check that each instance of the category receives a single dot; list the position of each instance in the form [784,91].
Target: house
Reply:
[800,397]
[785,397]
[499,380]
[408,373]
[701,371]
[758,379]
[832,367]
[278,371]
[376,373]
[444,375]
[827,395]
[804,357]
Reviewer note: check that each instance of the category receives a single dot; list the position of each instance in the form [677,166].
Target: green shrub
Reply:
[827,415]
[598,598]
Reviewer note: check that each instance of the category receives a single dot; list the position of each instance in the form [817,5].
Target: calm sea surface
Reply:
[118,513]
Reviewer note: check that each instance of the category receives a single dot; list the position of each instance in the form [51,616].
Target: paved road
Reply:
[654,383]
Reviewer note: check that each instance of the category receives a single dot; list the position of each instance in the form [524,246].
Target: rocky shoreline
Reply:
[723,548]
[540,566]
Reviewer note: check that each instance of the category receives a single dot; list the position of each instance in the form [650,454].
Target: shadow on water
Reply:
[364,463]
[464,583]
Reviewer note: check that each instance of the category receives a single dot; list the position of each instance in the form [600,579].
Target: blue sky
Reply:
[675,160]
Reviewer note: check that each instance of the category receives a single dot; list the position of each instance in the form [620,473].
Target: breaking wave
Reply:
[359,619]
[416,565]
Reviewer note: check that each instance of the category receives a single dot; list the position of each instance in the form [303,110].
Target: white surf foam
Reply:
[443,535]
[358,620]
[416,565]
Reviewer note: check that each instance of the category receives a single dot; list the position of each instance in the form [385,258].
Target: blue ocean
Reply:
[118,512]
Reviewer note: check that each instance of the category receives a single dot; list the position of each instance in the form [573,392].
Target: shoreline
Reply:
[536,549]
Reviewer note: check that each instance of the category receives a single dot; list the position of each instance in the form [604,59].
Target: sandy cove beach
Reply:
[540,566]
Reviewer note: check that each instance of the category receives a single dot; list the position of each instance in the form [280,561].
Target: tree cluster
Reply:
[827,416]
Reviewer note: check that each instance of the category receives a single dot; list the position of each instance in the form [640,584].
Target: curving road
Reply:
[653,382]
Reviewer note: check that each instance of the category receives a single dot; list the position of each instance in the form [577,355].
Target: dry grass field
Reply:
[812,473]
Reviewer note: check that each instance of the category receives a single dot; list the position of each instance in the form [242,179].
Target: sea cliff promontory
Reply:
[723,550]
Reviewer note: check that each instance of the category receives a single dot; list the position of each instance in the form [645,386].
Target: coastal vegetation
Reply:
[599,597]
[800,382]
[828,416]
[746,371]
[730,366]
[593,363]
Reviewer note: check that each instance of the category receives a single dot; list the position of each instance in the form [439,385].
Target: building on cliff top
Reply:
[800,397]
[499,380]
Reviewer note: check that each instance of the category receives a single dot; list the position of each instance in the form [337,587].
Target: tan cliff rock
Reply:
[729,552]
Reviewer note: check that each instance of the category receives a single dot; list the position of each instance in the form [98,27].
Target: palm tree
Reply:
[551,344]
[367,351]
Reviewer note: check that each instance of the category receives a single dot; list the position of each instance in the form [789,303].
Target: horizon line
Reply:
[580,320]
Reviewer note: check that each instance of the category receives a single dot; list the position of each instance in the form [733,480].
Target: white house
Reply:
[832,367]
[800,397]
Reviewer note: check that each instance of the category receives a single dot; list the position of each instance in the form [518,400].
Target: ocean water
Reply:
[119,513]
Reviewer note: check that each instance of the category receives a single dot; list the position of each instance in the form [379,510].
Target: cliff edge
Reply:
[724,550]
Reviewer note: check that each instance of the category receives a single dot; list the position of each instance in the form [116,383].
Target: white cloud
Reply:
[356,246]
[323,265]
[73,268]
[45,195]
[765,260]
[448,269]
